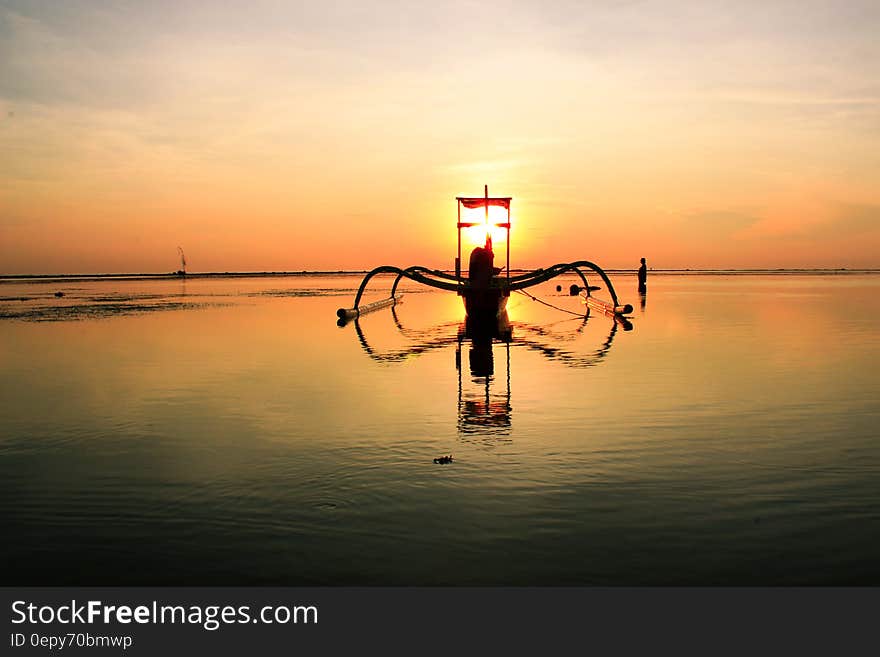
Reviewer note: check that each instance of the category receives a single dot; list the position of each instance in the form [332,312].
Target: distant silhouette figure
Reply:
[643,278]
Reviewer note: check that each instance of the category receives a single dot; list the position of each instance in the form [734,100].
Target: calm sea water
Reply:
[226,431]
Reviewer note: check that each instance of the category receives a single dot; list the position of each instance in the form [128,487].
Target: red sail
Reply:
[480,202]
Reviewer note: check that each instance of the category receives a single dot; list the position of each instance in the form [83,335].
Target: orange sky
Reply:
[283,136]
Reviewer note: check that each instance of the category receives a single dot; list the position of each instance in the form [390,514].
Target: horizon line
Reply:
[325,272]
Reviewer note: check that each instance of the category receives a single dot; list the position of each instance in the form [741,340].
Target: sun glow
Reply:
[476,235]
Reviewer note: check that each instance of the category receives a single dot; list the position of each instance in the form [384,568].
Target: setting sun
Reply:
[476,235]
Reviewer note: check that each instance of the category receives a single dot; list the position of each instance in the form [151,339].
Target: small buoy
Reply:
[59,294]
[443,460]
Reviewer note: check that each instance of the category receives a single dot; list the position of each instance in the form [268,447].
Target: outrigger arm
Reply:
[415,273]
[450,282]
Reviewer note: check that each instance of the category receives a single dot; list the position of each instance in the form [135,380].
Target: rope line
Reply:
[534,298]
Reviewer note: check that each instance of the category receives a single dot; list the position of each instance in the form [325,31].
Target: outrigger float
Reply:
[484,290]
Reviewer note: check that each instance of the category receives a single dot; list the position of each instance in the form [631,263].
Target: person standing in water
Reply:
[643,278]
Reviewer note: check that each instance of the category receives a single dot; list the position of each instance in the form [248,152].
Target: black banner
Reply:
[233,621]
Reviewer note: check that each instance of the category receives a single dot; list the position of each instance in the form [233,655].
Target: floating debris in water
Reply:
[53,313]
[443,460]
[300,292]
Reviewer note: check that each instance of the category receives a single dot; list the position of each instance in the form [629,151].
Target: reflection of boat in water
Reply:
[485,290]
[484,394]
[480,409]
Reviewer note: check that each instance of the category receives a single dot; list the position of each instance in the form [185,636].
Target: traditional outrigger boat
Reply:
[485,290]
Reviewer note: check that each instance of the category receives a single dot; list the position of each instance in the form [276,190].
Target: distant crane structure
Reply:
[182,270]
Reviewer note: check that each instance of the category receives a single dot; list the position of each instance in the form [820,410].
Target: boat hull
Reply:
[484,304]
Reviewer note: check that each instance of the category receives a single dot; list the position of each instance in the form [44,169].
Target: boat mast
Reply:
[488,230]
[507,291]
